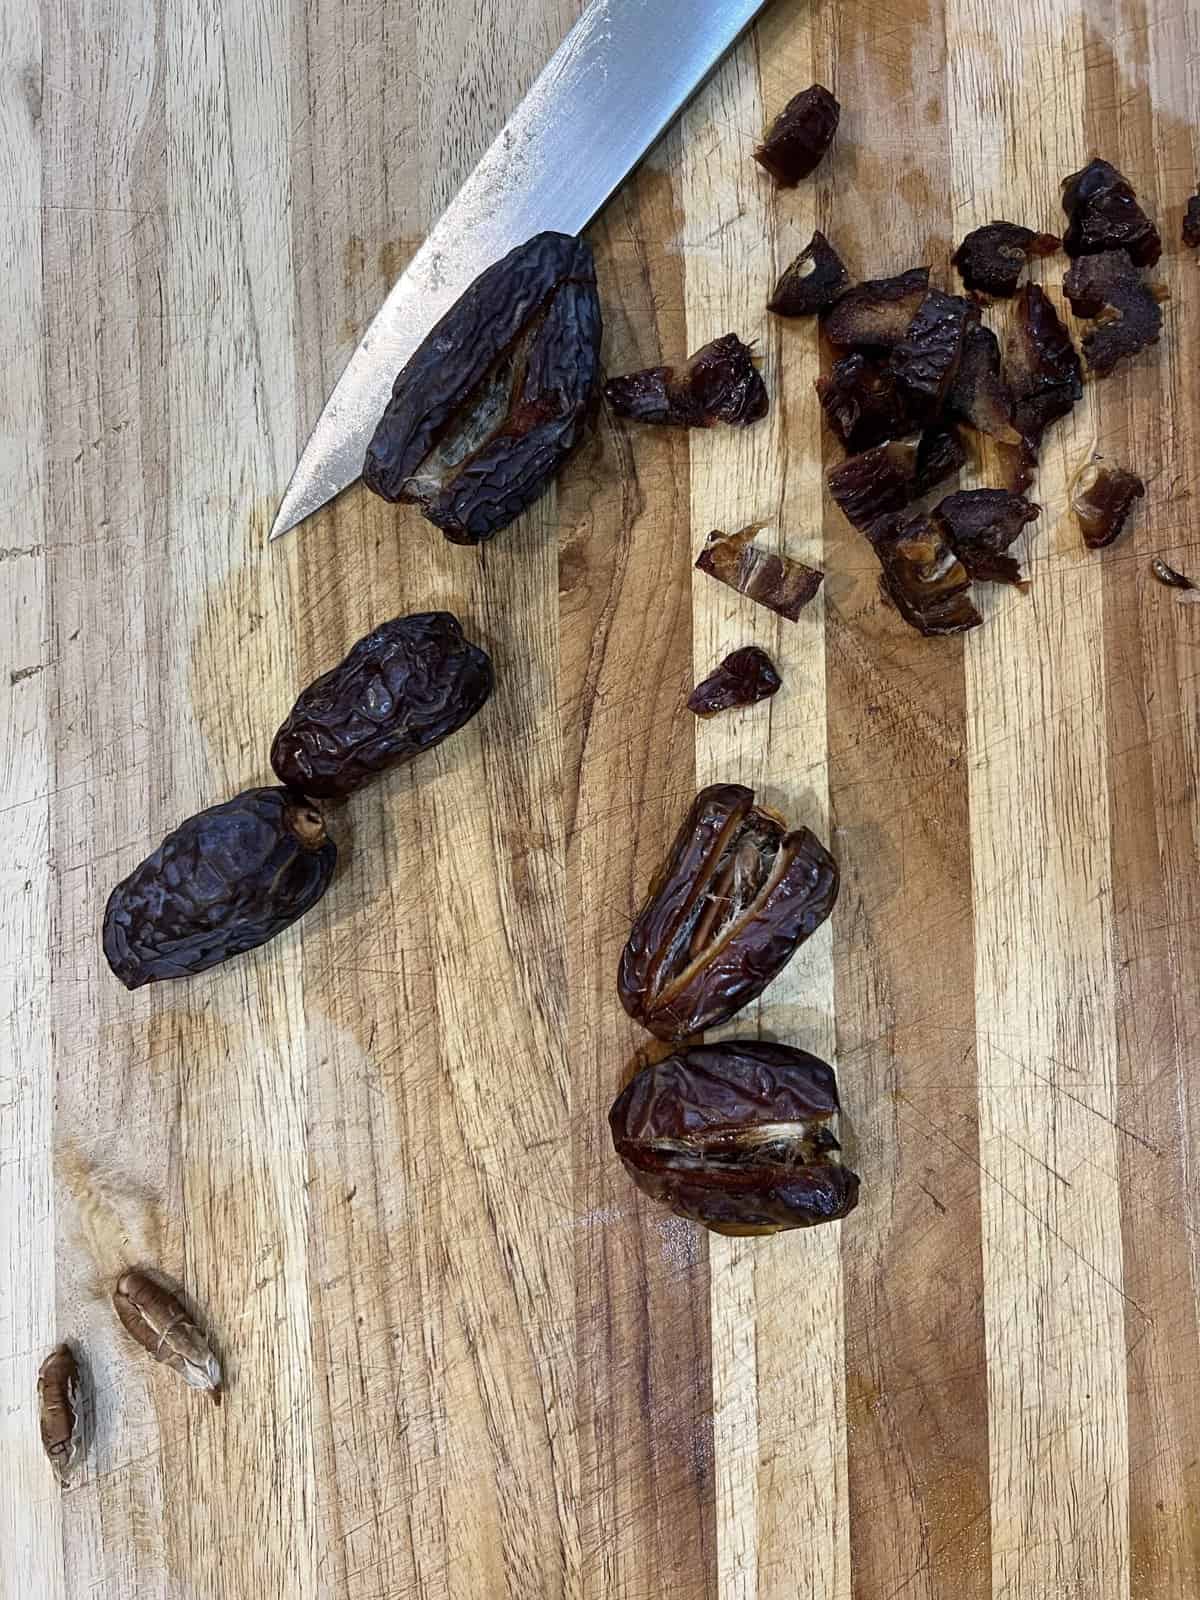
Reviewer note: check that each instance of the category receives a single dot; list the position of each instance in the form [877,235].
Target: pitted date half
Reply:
[738,1135]
[225,881]
[497,396]
[733,902]
[404,688]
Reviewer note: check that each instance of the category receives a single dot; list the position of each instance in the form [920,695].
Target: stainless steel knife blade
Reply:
[614,84]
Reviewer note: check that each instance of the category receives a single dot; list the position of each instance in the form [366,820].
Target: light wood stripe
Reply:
[778,1383]
[30,1515]
[1045,982]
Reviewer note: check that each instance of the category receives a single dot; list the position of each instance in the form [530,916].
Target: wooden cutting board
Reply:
[465,1359]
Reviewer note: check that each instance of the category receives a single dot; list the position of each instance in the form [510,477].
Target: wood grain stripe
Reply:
[1045,980]
[30,1515]
[776,1305]
[904,951]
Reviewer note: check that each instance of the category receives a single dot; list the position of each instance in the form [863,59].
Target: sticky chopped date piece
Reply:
[881,481]
[990,259]
[1102,498]
[813,282]
[927,358]
[979,394]
[875,315]
[781,583]
[497,396]
[863,403]
[940,454]
[738,1136]
[979,525]
[929,584]
[1043,372]
[1109,288]
[1191,223]
[800,135]
[720,383]
[1103,214]
[742,679]
[1168,576]
[735,899]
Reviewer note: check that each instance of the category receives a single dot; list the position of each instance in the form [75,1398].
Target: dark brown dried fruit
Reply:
[979,525]
[161,1324]
[990,259]
[863,402]
[800,136]
[735,899]
[781,583]
[1128,316]
[1043,369]
[1167,575]
[720,383]
[875,315]
[497,396]
[743,678]
[1102,498]
[1104,214]
[927,581]
[815,279]
[881,481]
[926,360]
[737,1135]
[979,394]
[1191,223]
[60,1409]
[401,690]
[225,881]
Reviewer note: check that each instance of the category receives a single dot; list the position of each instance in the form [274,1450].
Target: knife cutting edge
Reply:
[620,76]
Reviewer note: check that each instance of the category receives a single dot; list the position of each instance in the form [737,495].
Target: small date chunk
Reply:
[1103,214]
[800,136]
[979,394]
[781,583]
[927,358]
[497,396]
[1191,223]
[225,881]
[882,481]
[738,1135]
[863,403]
[1102,499]
[60,1411]
[1128,316]
[720,383]
[1043,370]
[735,899]
[815,279]
[990,259]
[875,315]
[979,525]
[743,678]
[404,688]
[929,584]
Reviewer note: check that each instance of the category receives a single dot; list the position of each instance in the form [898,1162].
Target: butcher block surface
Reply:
[465,1359]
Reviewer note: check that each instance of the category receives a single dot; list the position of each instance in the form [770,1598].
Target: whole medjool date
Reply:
[225,881]
[404,688]
[737,1135]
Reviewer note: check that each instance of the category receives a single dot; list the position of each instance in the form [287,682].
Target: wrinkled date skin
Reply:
[1103,214]
[720,383]
[225,881]
[498,395]
[927,358]
[738,1136]
[404,688]
[736,898]
[979,525]
[800,136]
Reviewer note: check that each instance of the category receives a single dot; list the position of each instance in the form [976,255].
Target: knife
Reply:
[613,85]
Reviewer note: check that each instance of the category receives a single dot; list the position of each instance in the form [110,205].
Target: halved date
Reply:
[225,881]
[720,383]
[990,259]
[739,1136]
[875,315]
[733,902]
[498,394]
[781,583]
[401,690]
[815,279]
[800,135]
[1103,214]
